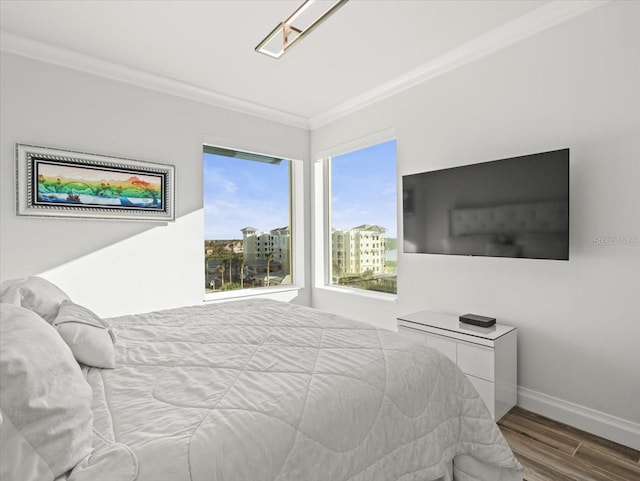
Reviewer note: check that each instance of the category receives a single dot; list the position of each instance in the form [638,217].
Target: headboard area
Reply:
[532,229]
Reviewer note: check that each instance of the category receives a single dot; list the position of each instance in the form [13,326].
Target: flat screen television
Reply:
[515,207]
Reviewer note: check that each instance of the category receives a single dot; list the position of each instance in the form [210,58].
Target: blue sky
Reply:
[243,193]
[363,188]
[240,193]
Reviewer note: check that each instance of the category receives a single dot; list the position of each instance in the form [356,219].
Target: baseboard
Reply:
[604,425]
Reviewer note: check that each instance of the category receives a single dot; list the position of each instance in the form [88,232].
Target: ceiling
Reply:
[207,47]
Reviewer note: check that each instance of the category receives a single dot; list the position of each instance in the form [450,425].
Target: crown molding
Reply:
[18,45]
[538,20]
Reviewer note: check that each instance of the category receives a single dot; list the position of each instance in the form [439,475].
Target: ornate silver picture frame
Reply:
[63,183]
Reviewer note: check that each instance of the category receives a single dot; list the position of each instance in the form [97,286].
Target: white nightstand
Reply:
[488,356]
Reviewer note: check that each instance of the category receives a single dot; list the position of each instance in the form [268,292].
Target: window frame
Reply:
[322,212]
[296,228]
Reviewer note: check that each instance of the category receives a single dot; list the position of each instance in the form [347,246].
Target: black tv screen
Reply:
[516,207]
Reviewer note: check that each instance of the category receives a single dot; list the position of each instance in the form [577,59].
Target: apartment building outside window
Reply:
[363,221]
[247,210]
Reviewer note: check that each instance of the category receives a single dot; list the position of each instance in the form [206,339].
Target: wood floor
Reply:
[552,451]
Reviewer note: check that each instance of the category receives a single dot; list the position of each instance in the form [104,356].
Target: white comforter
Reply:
[261,390]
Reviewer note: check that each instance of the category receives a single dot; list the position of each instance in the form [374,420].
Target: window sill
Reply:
[241,293]
[381,296]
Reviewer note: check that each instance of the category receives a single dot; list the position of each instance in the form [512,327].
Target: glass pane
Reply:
[247,220]
[363,219]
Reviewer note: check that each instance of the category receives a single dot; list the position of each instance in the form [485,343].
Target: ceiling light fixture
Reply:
[306,17]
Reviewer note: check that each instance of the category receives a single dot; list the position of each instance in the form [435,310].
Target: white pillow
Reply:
[45,400]
[89,337]
[34,293]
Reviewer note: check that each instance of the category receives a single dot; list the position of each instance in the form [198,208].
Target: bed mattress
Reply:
[260,390]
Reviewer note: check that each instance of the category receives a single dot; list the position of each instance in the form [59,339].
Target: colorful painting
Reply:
[59,183]
[71,184]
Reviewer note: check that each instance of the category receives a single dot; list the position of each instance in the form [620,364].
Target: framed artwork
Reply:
[64,183]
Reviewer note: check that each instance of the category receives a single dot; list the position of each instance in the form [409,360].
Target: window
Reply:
[247,210]
[363,226]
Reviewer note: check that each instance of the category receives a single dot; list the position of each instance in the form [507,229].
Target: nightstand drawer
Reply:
[411,333]
[476,360]
[442,344]
[486,389]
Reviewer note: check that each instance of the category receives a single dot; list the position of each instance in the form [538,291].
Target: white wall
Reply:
[578,86]
[117,267]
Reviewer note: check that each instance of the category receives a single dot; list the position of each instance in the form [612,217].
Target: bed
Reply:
[254,390]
